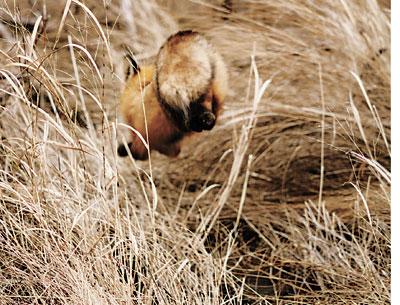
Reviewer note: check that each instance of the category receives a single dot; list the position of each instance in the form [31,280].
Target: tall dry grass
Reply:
[286,201]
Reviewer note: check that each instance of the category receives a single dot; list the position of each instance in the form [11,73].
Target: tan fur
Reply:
[139,101]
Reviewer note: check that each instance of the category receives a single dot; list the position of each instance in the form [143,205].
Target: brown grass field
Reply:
[286,201]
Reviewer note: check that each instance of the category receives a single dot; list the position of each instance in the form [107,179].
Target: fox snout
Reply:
[202,121]
[207,120]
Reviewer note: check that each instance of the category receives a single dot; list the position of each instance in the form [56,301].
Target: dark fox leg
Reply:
[170,150]
[122,151]
[138,151]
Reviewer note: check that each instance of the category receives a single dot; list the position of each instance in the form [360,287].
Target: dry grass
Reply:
[286,201]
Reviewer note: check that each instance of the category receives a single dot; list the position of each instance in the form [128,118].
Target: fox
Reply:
[182,93]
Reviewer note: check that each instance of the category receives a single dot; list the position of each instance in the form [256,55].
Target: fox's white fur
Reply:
[184,69]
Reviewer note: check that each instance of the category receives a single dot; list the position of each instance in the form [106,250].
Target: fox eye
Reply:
[214,104]
[200,99]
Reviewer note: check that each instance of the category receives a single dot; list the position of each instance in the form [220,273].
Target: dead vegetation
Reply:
[286,201]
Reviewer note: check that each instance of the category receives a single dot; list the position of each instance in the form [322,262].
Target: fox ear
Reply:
[133,65]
